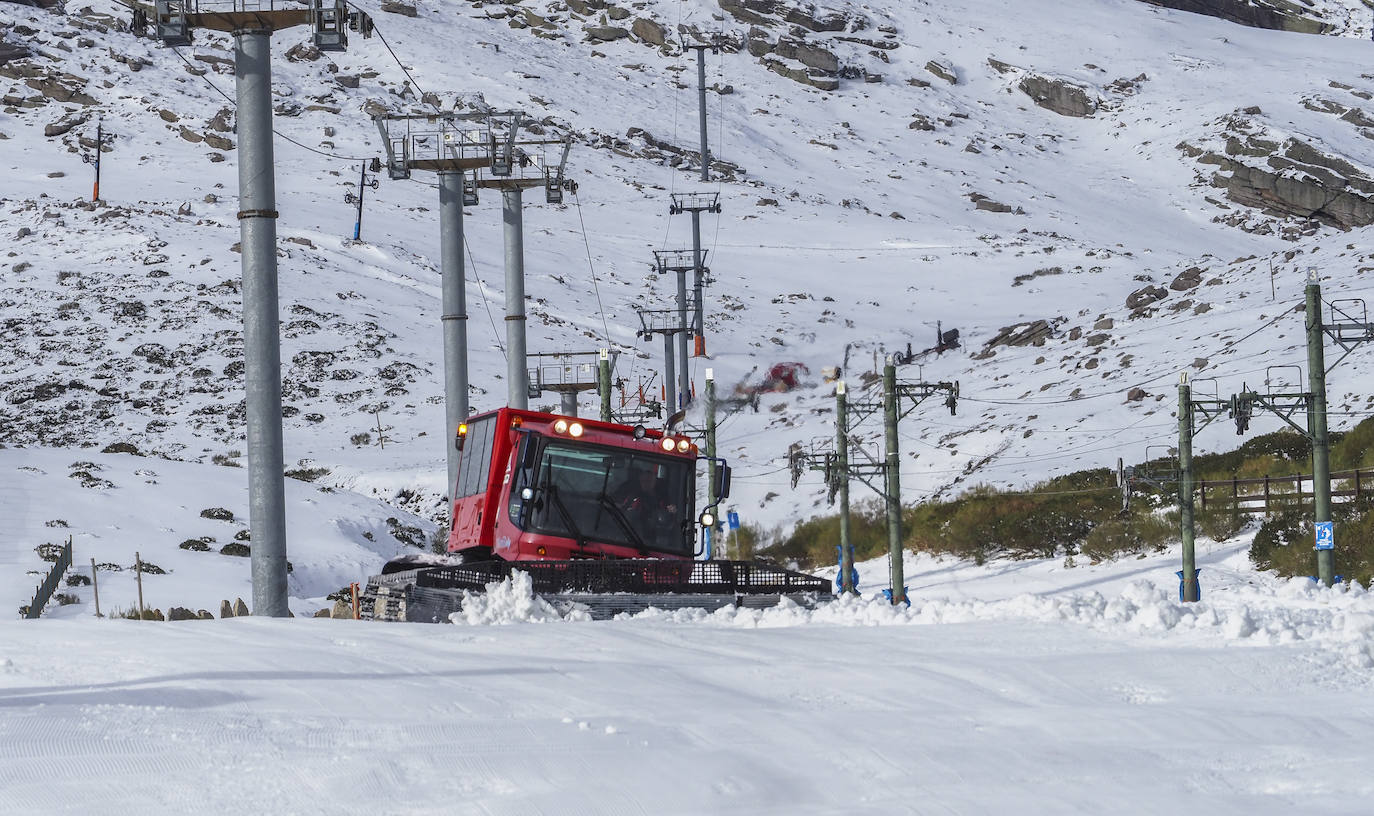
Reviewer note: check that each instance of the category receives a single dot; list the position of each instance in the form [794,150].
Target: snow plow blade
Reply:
[603,588]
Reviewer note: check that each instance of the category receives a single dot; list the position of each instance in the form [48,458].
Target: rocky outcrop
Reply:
[1279,15]
[649,31]
[1289,177]
[1059,95]
[806,15]
[794,54]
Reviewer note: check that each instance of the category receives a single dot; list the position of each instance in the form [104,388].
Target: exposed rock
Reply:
[586,7]
[606,33]
[762,12]
[1297,180]
[397,7]
[1189,278]
[62,126]
[10,51]
[1058,95]
[812,56]
[219,142]
[1104,324]
[811,76]
[303,52]
[226,610]
[240,608]
[180,613]
[1002,67]
[944,70]
[1034,333]
[649,31]
[1145,296]
[1278,15]
[982,202]
[920,121]
[1136,394]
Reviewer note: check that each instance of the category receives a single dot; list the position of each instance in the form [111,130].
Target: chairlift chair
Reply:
[172,27]
[330,21]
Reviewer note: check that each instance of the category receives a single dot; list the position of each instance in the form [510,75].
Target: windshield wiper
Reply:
[620,518]
[567,516]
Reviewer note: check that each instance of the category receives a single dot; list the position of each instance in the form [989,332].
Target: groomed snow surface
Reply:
[1015,687]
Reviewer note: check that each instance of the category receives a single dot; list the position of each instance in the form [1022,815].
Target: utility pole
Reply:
[363,184]
[711,452]
[839,468]
[252,26]
[842,464]
[1316,422]
[894,483]
[1349,327]
[603,383]
[1189,591]
[100,137]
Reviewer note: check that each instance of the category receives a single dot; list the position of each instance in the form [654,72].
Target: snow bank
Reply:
[1340,618]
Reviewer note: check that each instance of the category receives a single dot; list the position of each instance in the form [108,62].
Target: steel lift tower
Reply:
[451,145]
[517,166]
[252,22]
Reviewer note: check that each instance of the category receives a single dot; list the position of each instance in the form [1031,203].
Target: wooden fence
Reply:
[43,594]
[1273,494]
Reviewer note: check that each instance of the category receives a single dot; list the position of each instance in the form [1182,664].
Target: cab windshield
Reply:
[614,496]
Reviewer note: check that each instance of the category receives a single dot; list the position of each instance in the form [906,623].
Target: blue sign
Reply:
[1326,535]
[732,519]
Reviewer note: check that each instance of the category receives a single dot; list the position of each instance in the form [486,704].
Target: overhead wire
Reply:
[592,268]
[275,132]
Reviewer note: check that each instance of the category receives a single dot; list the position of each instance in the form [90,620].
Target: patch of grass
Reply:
[217,513]
[307,474]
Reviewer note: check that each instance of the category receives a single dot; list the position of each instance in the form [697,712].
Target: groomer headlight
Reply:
[575,429]
[668,443]
[683,445]
[560,426]
[639,432]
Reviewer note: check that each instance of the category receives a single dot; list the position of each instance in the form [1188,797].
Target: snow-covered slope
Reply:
[848,230]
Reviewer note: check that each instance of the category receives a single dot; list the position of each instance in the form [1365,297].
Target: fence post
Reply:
[138,577]
[1266,494]
[1358,494]
[95,587]
[353,587]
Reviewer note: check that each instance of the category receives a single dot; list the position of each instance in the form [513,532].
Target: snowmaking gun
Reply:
[600,516]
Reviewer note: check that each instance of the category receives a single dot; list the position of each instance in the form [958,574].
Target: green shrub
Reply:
[1219,524]
[1131,535]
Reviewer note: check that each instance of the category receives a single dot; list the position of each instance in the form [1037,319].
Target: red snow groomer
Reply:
[599,514]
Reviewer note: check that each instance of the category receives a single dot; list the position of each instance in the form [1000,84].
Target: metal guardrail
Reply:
[45,590]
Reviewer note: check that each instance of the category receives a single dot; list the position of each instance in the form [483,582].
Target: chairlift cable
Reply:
[233,102]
